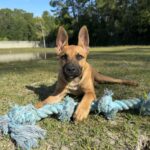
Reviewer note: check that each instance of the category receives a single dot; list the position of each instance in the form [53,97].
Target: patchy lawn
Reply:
[29,82]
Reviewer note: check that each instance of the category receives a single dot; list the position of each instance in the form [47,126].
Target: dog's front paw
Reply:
[39,105]
[81,113]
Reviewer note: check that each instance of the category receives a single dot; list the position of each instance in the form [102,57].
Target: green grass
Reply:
[29,82]
[102,49]
[24,50]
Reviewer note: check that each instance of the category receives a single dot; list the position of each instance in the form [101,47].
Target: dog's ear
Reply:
[83,38]
[62,39]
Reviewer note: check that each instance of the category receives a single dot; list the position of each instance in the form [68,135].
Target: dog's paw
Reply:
[81,113]
[39,105]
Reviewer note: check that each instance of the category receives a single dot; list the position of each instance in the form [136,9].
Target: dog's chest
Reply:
[74,87]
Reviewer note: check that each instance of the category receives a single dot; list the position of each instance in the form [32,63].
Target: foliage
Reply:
[108,21]
[20,25]
[16,25]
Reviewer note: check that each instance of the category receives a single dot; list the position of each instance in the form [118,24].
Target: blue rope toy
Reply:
[20,121]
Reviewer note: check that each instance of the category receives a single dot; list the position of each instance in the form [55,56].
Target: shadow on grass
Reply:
[42,91]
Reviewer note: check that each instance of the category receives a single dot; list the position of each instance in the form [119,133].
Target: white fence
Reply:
[19,44]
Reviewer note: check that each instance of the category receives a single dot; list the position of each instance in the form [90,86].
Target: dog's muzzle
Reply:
[71,70]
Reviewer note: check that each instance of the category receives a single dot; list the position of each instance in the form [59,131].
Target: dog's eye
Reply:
[79,57]
[64,57]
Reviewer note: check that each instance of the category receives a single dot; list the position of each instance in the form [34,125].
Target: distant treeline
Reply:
[110,22]
[20,25]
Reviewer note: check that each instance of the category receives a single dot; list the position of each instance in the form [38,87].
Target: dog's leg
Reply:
[51,99]
[56,97]
[106,79]
[84,106]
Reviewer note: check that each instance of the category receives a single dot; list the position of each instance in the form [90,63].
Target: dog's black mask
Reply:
[71,71]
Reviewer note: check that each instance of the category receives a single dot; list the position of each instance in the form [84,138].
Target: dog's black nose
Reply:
[70,69]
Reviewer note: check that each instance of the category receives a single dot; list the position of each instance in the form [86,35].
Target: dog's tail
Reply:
[98,77]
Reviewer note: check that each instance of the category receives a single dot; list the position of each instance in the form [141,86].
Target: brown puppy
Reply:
[76,76]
